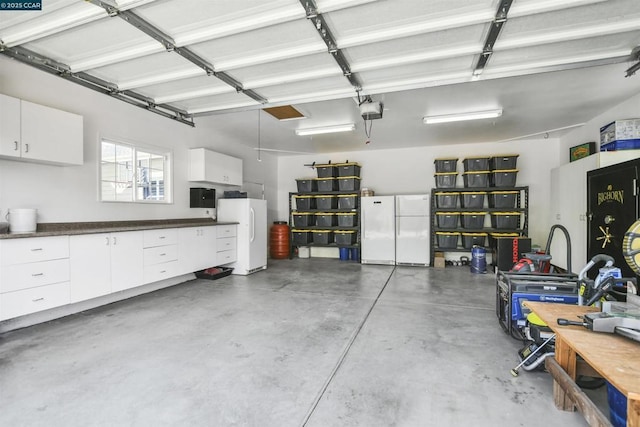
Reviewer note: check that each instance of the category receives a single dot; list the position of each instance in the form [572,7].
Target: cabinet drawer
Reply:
[165,236]
[166,270]
[28,301]
[226,244]
[226,231]
[33,249]
[24,276]
[160,254]
[225,257]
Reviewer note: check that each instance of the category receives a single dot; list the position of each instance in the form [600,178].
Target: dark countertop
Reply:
[75,228]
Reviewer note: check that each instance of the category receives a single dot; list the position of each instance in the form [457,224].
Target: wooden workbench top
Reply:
[616,358]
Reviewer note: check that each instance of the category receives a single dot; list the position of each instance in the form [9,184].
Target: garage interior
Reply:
[317,341]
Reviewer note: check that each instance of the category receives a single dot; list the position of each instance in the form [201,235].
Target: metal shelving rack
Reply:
[293,210]
[522,203]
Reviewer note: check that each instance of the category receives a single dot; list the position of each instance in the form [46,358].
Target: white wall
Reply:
[629,109]
[65,194]
[411,170]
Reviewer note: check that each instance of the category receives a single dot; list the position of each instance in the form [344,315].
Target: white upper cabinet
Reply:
[36,133]
[209,166]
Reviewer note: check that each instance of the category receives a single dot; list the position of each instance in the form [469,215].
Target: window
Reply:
[130,173]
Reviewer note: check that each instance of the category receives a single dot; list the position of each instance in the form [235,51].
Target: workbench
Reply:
[612,357]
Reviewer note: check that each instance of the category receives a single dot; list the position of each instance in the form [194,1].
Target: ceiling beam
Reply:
[170,46]
[62,70]
[494,31]
[320,24]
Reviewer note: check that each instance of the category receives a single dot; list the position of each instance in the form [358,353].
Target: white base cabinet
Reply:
[34,275]
[104,263]
[197,248]
[39,273]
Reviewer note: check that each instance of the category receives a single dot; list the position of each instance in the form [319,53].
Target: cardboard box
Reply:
[438,261]
[620,130]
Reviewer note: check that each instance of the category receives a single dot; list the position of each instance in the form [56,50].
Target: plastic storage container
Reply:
[303,219]
[344,237]
[326,171]
[347,219]
[349,183]
[446,165]
[326,184]
[476,179]
[617,406]
[307,185]
[447,240]
[504,178]
[326,202]
[446,200]
[472,199]
[304,203]
[348,169]
[470,240]
[493,237]
[322,237]
[473,220]
[347,201]
[326,219]
[504,162]
[447,219]
[505,219]
[503,199]
[446,179]
[302,237]
[476,164]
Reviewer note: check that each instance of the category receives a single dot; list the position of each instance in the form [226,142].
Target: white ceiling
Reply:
[555,64]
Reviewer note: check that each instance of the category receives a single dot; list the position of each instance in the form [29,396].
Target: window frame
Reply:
[135,187]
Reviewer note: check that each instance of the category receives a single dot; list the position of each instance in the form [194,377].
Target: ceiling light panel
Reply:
[148,70]
[349,127]
[459,117]
[289,40]
[101,43]
[22,27]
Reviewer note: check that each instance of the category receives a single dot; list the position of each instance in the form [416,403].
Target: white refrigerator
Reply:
[378,223]
[412,229]
[251,216]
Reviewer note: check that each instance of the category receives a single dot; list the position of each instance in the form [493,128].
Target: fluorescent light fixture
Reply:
[326,129]
[475,115]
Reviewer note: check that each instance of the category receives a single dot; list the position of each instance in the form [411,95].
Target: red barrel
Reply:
[279,240]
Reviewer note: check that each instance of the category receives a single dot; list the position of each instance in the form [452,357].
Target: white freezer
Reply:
[412,229]
[251,215]
[378,230]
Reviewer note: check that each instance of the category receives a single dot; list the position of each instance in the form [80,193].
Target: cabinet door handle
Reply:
[16,145]
[115,241]
[37,299]
[107,239]
[163,254]
[161,237]
[36,249]
[26,148]
[163,271]
[37,274]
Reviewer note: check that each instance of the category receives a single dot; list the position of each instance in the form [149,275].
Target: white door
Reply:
[126,260]
[378,230]
[9,126]
[412,240]
[90,266]
[412,205]
[258,234]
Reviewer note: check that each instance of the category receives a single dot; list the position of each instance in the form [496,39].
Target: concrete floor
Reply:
[313,342]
